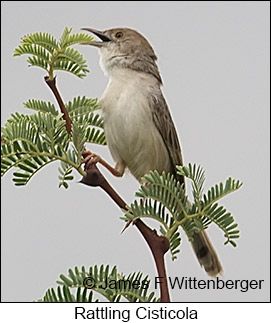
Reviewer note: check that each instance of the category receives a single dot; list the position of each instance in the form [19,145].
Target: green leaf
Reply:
[35,50]
[78,39]
[81,106]
[32,142]
[44,40]
[74,56]
[120,286]
[197,176]
[79,139]
[42,106]
[164,201]
[45,52]
[64,37]
[69,66]
[218,191]
[66,280]
[65,170]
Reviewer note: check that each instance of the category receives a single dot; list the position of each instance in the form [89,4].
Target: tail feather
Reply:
[206,254]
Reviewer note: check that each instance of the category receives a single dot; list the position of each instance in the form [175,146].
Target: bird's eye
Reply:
[119,34]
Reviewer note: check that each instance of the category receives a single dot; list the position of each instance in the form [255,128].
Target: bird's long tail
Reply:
[206,254]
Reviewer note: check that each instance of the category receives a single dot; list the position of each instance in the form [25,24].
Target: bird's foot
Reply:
[90,158]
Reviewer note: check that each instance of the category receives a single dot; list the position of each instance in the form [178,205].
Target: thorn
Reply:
[126,226]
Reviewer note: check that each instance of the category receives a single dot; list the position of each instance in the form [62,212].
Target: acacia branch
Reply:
[52,85]
[159,245]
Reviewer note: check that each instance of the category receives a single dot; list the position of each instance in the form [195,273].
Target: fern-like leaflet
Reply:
[64,295]
[103,280]
[164,199]
[51,55]
[30,142]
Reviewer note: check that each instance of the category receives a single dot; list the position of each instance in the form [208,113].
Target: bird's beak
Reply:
[98,33]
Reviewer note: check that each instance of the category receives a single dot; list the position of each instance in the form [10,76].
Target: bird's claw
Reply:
[90,158]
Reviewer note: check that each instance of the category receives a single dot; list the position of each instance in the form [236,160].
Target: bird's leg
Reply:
[118,170]
[91,158]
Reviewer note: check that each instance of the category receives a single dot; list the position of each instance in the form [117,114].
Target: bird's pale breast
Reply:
[130,131]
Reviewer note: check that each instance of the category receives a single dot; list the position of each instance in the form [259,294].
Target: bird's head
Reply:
[124,47]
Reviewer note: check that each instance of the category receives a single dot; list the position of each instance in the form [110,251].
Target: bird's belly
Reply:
[132,136]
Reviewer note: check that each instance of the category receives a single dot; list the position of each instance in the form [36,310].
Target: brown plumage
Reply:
[139,129]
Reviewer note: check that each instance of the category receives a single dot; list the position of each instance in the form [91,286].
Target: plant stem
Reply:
[159,245]
[52,85]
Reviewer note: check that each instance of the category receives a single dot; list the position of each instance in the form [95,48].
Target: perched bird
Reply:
[139,130]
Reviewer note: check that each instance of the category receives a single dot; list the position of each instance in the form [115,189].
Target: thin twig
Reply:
[52,84]
[159,245]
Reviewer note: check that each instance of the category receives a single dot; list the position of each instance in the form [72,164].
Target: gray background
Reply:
[214,60]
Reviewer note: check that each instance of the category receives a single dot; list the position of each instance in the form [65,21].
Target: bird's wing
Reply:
[164,123]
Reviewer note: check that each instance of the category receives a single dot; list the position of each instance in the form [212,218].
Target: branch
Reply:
[159,245]
[52,85]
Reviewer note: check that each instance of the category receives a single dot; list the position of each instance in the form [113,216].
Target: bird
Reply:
[138,126]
